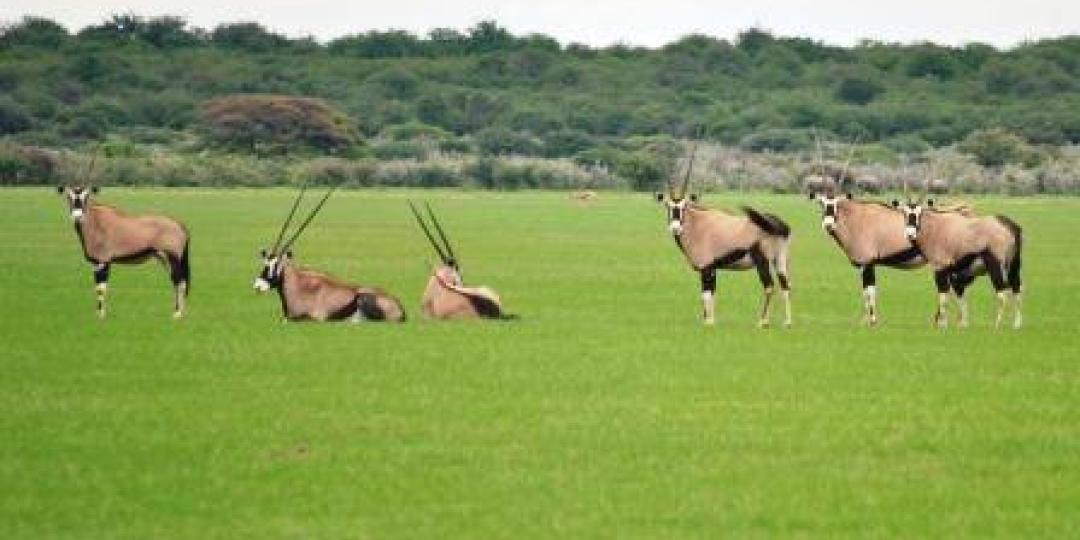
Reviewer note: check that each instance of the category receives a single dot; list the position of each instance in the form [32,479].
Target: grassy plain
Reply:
[606,411]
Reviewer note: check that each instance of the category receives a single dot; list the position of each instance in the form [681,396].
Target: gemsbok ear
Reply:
[659,197]
[930,203]
[811,195]
[94,190]
[262,253]
[693,197]
[288,253]
[895,203]
[59,189]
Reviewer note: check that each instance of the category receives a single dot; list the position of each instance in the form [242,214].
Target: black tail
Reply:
[1015,263]
[185,267]
[768,222]
[181,269]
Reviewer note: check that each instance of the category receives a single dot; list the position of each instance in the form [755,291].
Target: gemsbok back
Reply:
[310,295]
[954,239]
[109,236]
[446,296]
[715,240]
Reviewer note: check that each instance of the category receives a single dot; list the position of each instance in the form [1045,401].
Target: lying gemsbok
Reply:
[953,239]
[446,296]
[110,236]
[312,295]
[715,240]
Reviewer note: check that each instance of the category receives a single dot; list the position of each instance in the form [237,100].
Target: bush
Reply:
[776,140]
[567,142]
[997,147]
[644,171]
[261,123]
[14,118]
[858,90]
[399,150]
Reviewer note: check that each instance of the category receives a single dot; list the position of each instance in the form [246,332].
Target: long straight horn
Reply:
[288,219]
[427,233]
[689,169]
[851,154]
[820,153]
[310,217]
[86,176]
[438,228]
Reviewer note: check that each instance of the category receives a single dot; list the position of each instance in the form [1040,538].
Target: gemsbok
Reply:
[953,239]
[108,236]
[310,295]
[713,240]
[446,296]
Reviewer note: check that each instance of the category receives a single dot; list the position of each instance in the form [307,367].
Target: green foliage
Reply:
[776,140]
[997,147]
[33,32]
[858,90]
[261,123]
[14,118]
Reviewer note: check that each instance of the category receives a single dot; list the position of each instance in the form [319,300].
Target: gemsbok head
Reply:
[446,296]
[713,240]
[108,235]
[308,294]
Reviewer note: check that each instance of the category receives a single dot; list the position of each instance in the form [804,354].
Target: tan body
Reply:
[109,236]
[446,298]
[869,232]
[956,239]
[312,295]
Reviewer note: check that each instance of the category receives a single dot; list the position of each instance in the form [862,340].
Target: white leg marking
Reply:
[708,304]
[943,310]
[870,298]
[1018,318]
[1001,299]
[787,307]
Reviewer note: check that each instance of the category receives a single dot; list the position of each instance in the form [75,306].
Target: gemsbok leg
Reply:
[941,280]
[1017,290]
[869,283]
[101,284]
[180,275]
[762,266]
[960,282]
[997,278]
[708,290]
[781,269]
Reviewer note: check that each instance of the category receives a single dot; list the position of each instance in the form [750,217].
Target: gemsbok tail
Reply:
[1015,263]
[768,222]
[184,268]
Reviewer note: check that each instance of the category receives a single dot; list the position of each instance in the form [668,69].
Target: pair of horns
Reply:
[686,179]
[447,256]
[821,158]
[278,246]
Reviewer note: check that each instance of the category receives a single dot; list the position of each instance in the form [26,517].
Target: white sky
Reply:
[603,22]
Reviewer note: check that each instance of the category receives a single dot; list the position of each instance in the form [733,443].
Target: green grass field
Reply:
[608,410]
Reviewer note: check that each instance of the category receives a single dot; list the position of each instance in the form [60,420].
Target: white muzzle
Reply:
[76,213]
[910,232]
[261,285]
[828,222]
[675,227]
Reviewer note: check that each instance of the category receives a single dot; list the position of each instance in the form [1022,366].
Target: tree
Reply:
[34,32]
[13,117]
[858,90]
[248,36]
[275,123]
[997,147]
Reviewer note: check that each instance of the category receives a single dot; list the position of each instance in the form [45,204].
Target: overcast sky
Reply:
[603,22]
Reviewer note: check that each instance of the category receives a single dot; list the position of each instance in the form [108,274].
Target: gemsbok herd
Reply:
[953,241]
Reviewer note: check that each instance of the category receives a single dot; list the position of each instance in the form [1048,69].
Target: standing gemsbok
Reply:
[715,240]
[312,295]
[871,234]
[446,296]
[110,236]
[953,239]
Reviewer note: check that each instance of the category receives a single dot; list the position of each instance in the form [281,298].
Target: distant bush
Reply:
[14,118]
[997,147]
[776,140]
[276,124]
[399,150]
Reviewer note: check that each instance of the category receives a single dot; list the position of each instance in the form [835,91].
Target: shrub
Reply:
[997,147]
[14,118]
[279,123]
[399,150]
[776,140]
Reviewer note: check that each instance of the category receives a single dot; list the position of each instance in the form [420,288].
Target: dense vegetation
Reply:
[132,83]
